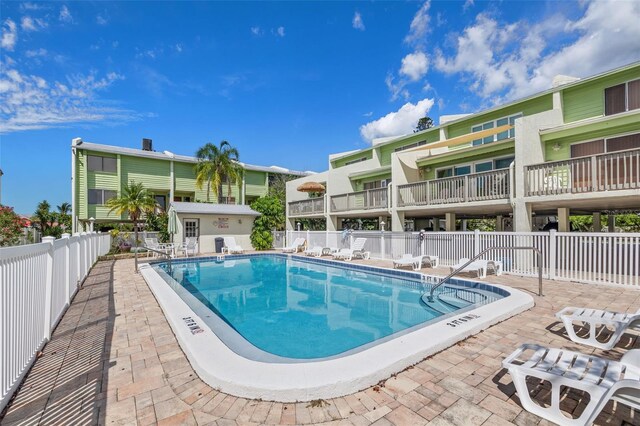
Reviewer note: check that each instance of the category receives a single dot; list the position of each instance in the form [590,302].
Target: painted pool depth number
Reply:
[192,325]
[462,320]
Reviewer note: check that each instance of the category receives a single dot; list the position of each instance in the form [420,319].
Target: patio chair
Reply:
[190,245]
[480,266]
[416,261]
[343,254]
[296,246]
[358,248]
[153,244]
[314,252]
[601,378]
[230,246]
[598,322]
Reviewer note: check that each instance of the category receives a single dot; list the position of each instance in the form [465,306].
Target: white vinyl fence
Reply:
[593,258]
[37,283]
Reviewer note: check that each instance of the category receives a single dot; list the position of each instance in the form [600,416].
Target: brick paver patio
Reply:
[114,360]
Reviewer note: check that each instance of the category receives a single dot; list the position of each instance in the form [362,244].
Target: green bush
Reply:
[271,217]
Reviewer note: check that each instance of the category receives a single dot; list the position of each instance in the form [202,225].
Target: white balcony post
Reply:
[594,174]
[48,288]
[465,188]
[552,254]
[308,235]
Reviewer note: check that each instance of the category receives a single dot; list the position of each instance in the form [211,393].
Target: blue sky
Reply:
[287,83]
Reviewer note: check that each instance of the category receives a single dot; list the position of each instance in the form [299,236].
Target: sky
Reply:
[286,83]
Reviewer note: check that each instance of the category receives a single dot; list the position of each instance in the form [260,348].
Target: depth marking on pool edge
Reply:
[192,325]
[461,320]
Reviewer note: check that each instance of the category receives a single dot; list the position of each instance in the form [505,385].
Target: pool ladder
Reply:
[477,256]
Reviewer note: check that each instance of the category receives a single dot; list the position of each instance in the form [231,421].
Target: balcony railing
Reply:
[605,172]
[361,200]
[306,207]
[491,185]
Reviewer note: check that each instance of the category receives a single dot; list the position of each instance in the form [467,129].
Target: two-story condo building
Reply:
[573,149]
[100,171]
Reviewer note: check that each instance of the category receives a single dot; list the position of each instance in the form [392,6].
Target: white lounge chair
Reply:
[155,246]
[416,261]
[190,245]
[296,246]
[230,246]
[599,322]
[601,378]
[343,254]
[480,266]
[358,248]
[314,252]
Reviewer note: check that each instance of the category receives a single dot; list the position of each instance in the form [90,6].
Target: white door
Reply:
[191,228]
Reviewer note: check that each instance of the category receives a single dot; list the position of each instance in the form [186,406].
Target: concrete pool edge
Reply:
[223,369]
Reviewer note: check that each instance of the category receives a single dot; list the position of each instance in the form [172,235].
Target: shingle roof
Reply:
[206,208]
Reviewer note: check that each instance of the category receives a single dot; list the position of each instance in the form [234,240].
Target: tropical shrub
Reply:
[10,226]
[271,217]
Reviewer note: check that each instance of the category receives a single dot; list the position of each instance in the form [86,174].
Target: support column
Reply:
[499,224]
[436,224]
[597,222]
[451,221]
[522,217]
[611,223]
[332,223]
[397,221]
[563,219]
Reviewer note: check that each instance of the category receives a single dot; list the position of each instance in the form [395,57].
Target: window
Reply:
[226,200]
[502,163]
[101,196]
[454,171]
[587,148]
[101,164]
[601,146]
[511,120]
[355,161]
[482,166]
[621,98]
[376,184]
[179,198]
[411,145]
[623,143]
[161,201]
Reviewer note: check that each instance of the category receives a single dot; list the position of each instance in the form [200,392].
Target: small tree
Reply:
[271,218]
[423,124]
[10,226]
[134,201]
[42,218]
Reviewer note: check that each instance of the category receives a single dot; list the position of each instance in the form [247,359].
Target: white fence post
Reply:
[382,250]
[326,238]
[48,288]
[552,254]
[476,242]
[67,265]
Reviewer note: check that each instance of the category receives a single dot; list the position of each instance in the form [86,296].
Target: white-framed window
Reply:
[475,167]
[511,133]
[161,200]
[376,184]
[96,163]
[622,97]
[183,198]
[100,196]
[606,145]
[359,160]
[226,200]
[409,146]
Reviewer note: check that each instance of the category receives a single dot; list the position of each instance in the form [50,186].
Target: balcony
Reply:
[370,199]
[312,206]
[491,185]
[604,172]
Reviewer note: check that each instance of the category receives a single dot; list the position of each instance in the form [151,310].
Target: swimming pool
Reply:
[289,328]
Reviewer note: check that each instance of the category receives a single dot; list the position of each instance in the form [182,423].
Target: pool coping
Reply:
[229,372]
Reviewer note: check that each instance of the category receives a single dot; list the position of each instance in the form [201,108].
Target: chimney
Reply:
[147,144]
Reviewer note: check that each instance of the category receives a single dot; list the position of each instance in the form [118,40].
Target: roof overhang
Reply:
[213,209]
[370,173]
[589,126]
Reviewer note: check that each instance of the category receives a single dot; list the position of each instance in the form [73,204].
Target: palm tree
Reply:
[64,208]
[135,201]
[215,163]
[64,219]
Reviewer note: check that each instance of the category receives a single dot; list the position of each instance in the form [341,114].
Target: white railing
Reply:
[361,200]
[491,185]
[305,207]
[596,258]
[37,283]
[605,172]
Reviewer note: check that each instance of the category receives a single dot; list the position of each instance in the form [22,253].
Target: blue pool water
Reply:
[302,309]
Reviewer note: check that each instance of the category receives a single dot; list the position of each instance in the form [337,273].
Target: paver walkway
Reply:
[114,360]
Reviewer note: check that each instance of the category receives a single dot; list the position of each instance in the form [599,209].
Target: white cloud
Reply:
[65,15]
[368,114]
[9,34]
[397,123]
[467,4]
[30,102]
[31,6]
[101,20]
[35,53]
[280,31]
[397,89]
[419,25]
[178,47]
[507,60]
[415,65]
[357,22]
[256,31]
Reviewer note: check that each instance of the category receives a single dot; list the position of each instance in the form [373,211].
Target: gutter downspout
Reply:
[512,180]
[172,190]
[74,219]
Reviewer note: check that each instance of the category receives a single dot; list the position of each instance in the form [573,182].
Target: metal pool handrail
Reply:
[168,256]
[448,277]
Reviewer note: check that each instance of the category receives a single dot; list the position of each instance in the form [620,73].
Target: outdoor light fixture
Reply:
[556,146]
[382,225]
